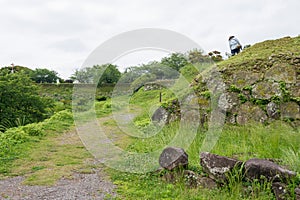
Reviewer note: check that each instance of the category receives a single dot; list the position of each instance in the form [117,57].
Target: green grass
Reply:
[242,142]
[43,152]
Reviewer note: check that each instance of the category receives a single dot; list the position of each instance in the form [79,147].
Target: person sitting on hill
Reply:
[235,45]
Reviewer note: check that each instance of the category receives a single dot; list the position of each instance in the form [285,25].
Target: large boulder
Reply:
[173,157]
[160,116]
[217,167]
[256,168]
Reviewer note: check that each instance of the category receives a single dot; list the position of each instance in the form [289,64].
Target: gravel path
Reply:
[82,186]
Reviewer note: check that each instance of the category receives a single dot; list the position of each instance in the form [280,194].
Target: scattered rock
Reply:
[172,158]
[217,166]
[280,191]
[191,179]
[256,168]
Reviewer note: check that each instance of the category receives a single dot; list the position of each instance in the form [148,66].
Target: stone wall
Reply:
[261,91]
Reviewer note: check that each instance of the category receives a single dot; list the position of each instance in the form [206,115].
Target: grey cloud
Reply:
[69,46]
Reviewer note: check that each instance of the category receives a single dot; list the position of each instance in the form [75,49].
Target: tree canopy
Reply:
[44,76]
[98,74]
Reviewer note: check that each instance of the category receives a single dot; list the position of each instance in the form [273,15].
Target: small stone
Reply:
[207,183]
[280,191]
[173,157]
[194,180]
[273,110]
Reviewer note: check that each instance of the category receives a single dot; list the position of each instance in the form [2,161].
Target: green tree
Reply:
[111,73]
[98,74]
[175,61]
[44,76]
[155,70]
[84,75]
[19,100]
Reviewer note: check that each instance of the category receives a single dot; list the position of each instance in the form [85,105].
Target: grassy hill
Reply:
[261,52]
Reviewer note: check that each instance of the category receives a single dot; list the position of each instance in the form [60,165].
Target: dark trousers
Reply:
[235,51]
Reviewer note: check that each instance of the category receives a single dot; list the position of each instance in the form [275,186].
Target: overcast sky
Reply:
[60,34]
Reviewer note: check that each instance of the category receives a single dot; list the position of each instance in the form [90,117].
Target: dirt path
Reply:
[81,186]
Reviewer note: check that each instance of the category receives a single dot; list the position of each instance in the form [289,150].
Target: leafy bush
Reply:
[20,100]
[15,136]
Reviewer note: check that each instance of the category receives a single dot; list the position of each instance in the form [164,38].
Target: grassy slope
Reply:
[277,140]
[263,50]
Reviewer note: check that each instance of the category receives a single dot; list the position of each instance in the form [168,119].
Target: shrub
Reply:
[33,129]
[15,136]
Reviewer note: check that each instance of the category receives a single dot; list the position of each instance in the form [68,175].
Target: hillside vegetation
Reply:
[259,99]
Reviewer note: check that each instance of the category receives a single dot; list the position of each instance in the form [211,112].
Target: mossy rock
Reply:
[290,110]
[228,101]
[282,73]
[242,79]
[266,90]
[295,91]
[248,112]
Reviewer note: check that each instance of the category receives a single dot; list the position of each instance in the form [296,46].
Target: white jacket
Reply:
[233,43]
